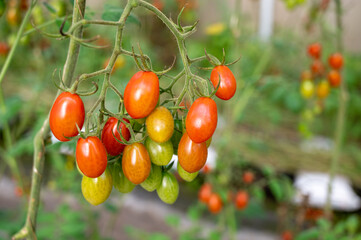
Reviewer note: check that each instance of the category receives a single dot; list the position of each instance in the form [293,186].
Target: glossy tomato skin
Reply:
[168,190]
[67,112]
[215,203]
[97,190]
[160,153]
[241,200]
[110,130]
[228,86]
[141,94]
[334,78]
[335,61]
[160,125]
[154,179]
[186,176]
[91,156]
[201,121]
[120,182]
[191,156]
[314,50]
[205,193]
[136,163]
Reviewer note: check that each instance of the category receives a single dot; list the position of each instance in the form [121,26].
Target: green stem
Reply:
[29,229]
[341,116]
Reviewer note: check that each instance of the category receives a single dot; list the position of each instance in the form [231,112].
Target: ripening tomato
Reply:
[314,50]
[186,176]
[160,125]
[307,89]
[227,87]
[91,156]
[12,16]
[287,235]
[201,121]
[205,193]
[111,144]
[306,75]
[206,169]
[215,203]
[160,153]
[335,61]
[323,89]
[168,190]
[67,112]
[191,156]
[241,200]
[119,63]
[334,78]
[141,94]
[248,177]
[317,68]
[154,179]
[136,163]
[97,190]
[4,49]
[120,182]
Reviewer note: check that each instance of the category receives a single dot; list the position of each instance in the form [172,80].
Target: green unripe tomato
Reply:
[120,182]
[154,179]
[160,153]
[186,176]
[97,190]
[168,191]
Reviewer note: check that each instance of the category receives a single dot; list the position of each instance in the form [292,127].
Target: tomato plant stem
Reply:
[341,116]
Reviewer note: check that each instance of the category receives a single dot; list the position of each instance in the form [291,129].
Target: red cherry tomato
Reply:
[314,50]
[141,94]
[248,177]
[334,78]
[201,121]
[317,67]
[205,193]
[136,163]
[111,144]
[335,61]
[67,112]
[215,203]
[191,156]
[91,156]
[241,200]
[287,235]
[4,49]
[228,85]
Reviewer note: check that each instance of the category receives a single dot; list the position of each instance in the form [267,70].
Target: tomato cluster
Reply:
[317,74]
[214,201]
[118,159]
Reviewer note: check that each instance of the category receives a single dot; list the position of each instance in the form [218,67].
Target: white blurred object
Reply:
[316,143]
[315,185]
[265,27]
[211,159]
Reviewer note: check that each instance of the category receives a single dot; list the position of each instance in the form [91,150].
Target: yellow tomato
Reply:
[307,89]
[160,125]
[97,190]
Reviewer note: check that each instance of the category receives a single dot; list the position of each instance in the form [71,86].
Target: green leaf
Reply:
[258,193]
[268,171]
[276,189]
[324,224]
[215,235]
[112,13]
[158,236]
[352,224]
[172,220]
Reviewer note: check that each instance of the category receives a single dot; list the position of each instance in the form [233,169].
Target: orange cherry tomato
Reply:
[91,156]
[241,200]
[201,120]
[205,193]
[191,156]
[141,94]
[215,203]
[334,78]
[248,177]
[314,50]
[317,68]
[335,61]
[67,112]
[136,163]
[323,89]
